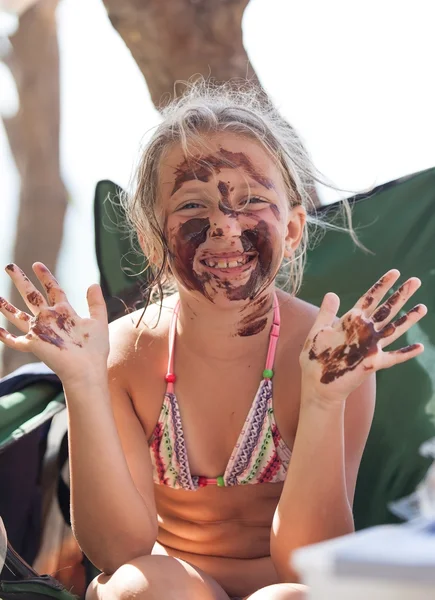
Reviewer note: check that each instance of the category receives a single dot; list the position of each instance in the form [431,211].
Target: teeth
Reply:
[226,264]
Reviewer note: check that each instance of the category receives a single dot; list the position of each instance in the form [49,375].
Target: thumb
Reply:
[328,311]
[96,303]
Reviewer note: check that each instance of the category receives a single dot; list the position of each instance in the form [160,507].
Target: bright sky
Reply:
[355,79]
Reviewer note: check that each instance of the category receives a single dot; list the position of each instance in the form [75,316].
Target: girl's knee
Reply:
[141,578]
[281,591]
[150,577]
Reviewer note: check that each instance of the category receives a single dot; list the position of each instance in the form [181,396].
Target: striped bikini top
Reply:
[260,454]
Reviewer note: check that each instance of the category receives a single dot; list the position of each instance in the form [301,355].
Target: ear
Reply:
[295,229]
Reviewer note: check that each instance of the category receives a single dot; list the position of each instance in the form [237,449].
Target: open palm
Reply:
[339,354]
[67,343]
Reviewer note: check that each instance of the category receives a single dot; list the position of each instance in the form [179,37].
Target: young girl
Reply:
[226,425]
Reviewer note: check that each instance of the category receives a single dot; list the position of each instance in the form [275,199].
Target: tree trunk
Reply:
[178,39]
[175,40]
[34,140]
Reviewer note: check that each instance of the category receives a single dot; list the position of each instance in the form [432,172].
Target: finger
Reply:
[393,331]
[17,317]
[31,296]
[395,357]
[12,341]
[395,302]
[55,293]
[327,312]
[369,301]
[96,303]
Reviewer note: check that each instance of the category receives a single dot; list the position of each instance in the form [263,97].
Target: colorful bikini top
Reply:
[260,454]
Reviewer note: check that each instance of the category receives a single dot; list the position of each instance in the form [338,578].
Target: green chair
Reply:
[396,223]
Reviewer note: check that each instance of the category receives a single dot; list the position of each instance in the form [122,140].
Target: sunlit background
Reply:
[356,80]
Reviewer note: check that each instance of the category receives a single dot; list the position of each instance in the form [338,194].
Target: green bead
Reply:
[220,481]
[267,373]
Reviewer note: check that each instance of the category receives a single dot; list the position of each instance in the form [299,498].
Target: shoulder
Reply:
[137,337]
[297,318]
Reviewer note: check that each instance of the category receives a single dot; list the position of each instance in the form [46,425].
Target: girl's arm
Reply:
[337,362]
[316,502]
[113,511]
[112,497]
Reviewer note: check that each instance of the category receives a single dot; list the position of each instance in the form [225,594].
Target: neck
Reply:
[224,334]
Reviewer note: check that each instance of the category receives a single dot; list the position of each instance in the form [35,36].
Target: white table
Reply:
[391,562]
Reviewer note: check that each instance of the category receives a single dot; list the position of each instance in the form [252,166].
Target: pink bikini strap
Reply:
[170,375]
[273,340]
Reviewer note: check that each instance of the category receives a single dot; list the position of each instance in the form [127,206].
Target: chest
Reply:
[214,400]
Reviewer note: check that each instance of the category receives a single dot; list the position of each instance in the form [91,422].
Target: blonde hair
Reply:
[205,109]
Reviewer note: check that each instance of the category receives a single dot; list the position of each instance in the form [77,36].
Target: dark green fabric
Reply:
[397,223]
[43,587]
[122,268]
[23,411]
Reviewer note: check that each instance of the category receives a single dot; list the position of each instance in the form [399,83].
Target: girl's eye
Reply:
[190,205]
[253,200]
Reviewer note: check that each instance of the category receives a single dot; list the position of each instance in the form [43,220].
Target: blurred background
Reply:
[78,92]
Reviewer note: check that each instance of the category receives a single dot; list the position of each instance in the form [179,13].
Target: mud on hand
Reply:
[52,330]
[338,355]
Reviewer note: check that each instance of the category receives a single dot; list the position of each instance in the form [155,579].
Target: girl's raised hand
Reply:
[338,355]
[72,346]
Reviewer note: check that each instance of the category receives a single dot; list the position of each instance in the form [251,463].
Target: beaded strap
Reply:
[170,375]
[273,340]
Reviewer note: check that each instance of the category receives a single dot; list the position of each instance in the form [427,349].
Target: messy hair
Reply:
[203,110]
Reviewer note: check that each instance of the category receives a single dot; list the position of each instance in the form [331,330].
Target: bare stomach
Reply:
[222,531]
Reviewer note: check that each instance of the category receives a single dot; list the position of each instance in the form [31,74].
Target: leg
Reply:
[156,577]
[280,591]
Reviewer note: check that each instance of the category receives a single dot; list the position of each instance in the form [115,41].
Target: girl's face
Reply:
[227,220]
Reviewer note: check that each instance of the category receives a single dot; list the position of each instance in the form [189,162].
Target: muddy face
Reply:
[202,168]
[247,258]
[190,260]
[226,221]
[185,243]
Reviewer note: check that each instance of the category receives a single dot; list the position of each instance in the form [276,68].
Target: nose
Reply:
[225,225]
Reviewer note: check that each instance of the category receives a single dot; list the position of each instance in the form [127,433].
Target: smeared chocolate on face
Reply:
[261,240]
[188,238]
[202,168]
[224,203]
[258,237]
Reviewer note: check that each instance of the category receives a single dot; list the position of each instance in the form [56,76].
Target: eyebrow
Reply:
[201,168]
[192,187]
